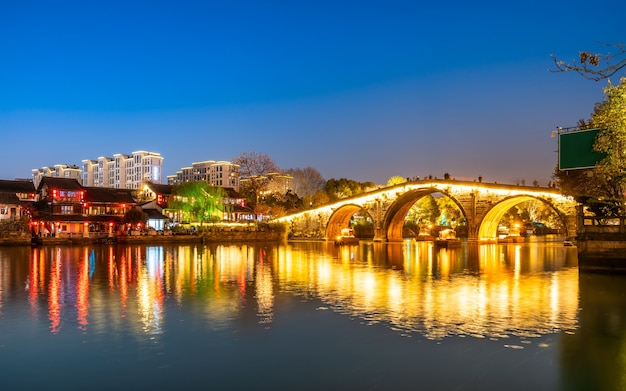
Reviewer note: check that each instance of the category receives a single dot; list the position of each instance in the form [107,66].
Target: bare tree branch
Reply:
[595,66]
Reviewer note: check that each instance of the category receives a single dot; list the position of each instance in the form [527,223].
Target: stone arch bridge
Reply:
[482,204]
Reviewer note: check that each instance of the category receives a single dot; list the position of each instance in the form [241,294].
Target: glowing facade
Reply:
[123,171]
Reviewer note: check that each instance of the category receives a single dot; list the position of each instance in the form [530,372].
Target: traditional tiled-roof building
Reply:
[66,208]
[15,197]
[154,198]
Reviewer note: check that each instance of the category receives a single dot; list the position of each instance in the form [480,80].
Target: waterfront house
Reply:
[15,196]
[156,219]
[58,207]
[103,208]
[235,208]
[154,198]
[157,192]
[65,208]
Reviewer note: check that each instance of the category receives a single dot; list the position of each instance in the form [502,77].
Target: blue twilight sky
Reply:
[358,89]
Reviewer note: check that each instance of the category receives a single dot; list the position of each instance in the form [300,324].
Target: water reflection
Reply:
[519,314]
[483,291]
[594,358]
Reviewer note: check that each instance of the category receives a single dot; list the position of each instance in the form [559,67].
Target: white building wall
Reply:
[122,171]
[58,171]
[147,166]
[90,171]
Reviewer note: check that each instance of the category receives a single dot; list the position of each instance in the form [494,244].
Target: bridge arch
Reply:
[340,219]
[396,214]
[488,224]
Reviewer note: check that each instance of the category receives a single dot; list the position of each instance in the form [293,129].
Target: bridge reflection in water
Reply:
[485,291]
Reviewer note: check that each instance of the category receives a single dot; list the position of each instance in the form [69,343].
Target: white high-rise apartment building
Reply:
[58,171]
[90,173]
[224,174]
[220,173]
[123,171]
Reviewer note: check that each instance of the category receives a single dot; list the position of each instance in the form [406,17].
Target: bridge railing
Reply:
[594,224]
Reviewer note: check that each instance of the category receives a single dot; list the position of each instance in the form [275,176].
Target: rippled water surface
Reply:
[309,316]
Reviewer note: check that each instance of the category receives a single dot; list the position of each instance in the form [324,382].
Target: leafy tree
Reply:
[135,216]
[610,117]
[395,180]
[343,188]
[595,66]
[424,212]
[253,169]
[528,212]
[282,203]
[448,211]
[198,201]
[608,179]
[320,197]
[278,211]
[583,184]
[604,208]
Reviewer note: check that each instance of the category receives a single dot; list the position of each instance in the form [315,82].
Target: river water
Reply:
[309,316]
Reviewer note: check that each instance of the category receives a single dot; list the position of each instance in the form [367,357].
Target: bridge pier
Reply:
[378,235]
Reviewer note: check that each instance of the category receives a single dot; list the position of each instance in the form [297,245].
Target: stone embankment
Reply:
[601,244]
[220,235]
[10,238]
[602,252]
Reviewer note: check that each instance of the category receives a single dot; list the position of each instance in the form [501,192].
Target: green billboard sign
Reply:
[576,150]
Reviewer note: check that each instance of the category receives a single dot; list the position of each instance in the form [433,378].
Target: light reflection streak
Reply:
[124,279]
[82,289]
[54,294]
[112,269]
[35,279]
[150,293]
[264,290]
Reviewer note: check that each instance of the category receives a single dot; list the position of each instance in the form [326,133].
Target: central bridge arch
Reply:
[396,214]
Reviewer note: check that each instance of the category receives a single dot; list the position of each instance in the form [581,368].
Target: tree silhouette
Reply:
[595,66]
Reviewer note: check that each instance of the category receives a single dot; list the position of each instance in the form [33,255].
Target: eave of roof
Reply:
[8,186]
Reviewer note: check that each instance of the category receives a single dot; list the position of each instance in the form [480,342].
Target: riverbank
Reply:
[209,236]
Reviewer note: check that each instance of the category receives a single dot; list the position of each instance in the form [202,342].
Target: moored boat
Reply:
[447,238]
[347,237]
